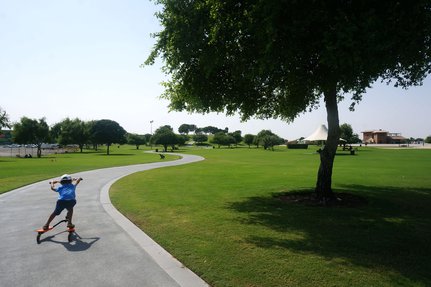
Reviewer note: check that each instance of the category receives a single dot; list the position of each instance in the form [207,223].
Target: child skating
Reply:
[66,198]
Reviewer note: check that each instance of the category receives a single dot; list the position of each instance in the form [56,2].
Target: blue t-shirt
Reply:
[66,191]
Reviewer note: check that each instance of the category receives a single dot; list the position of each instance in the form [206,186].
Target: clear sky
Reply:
[81,59]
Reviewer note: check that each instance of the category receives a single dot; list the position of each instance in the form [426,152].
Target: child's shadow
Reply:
[78,243]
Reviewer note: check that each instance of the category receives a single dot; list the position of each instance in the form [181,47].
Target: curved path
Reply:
[108,250]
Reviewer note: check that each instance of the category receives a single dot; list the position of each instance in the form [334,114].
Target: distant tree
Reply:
[82,131]
[164,136]
[54,132]
[136,140]
[181,140]
[229,140]
[237,137]
[256,141]
[211,130]
[147,138]
[248,139]
[221,138]
[200,138]
[186,128]
[30,131]
[183,129]
[428,139]
[108,132]
[70,131]
[277,59]
[356,139]
[4,119]
[268,139]
[346,133]
[92,139]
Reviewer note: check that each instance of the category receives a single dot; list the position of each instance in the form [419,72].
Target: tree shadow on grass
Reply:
[392,231]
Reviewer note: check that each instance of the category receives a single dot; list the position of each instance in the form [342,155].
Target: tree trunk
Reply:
[324,177]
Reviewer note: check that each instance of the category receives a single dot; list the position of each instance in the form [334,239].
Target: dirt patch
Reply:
[341,199]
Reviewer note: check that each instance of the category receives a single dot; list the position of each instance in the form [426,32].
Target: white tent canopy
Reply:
[320,134]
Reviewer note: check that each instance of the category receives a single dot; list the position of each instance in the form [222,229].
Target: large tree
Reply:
[211,130]
[164,136]
[107,132]
[71,132]
[268,139]
[31,131]
[221,138]
[346,133]
[200,138]
[136,140]
[277,59]
[186,128]
[248,139]
[237,136]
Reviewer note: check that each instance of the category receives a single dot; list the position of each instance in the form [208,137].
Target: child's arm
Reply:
[52,183]
[77,180]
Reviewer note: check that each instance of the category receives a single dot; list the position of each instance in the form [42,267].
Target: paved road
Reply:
[108,250]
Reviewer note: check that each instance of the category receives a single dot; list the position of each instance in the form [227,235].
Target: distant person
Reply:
[66,198]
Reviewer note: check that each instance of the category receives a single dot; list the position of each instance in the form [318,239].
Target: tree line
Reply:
[108,132]
[68,132]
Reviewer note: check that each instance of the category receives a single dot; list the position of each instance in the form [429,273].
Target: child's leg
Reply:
[69,216]
[58,209]
[51,217]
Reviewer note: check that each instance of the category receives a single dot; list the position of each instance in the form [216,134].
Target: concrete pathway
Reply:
[108,250]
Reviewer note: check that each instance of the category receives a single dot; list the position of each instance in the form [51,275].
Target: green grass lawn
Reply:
[222,217]
[17,172]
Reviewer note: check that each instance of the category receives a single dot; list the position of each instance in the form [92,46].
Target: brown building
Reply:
[383,137]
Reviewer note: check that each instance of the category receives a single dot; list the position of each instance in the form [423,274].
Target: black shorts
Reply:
[64,204]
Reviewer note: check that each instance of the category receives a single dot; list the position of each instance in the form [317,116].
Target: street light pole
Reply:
[151,132]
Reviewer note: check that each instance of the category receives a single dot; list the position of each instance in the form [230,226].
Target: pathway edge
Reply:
[174,268]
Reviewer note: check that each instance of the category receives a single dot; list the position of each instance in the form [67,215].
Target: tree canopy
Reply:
[31,131]
[248,139]
[268,139]
[186,128]
[220,138]
[71,132]
[346,133]
[107,132]
[136,140]
[200,138]
[164,136]
[276,59]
